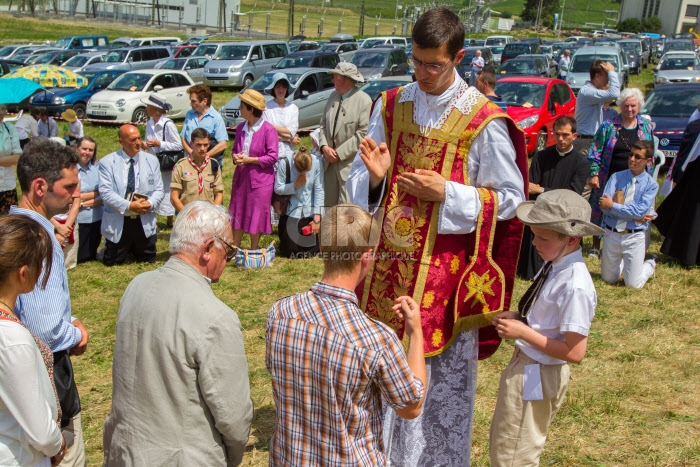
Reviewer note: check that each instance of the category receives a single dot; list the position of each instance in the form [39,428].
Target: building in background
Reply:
[676,15]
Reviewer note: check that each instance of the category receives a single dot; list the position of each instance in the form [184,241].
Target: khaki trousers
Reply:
[519,427]
[75,457]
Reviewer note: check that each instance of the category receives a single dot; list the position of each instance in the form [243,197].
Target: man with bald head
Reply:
[131,188]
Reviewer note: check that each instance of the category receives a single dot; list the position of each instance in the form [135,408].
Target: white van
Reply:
[141,41]
[499,40]
[372,41]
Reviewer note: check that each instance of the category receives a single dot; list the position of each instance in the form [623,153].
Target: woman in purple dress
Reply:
[254,154]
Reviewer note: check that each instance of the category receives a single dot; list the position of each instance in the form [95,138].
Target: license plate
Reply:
[217,81]
[100,113]
[670,154]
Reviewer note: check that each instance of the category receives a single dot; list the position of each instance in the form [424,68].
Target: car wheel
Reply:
[541,143]
[247,80]
[140,115]
[80,111]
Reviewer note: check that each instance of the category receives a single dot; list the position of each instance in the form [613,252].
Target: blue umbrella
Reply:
[15,90]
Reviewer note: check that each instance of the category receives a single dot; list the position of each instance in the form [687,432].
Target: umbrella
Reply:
[15,90]
[50,76]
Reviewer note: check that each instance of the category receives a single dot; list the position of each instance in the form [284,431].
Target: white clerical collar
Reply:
[562,154]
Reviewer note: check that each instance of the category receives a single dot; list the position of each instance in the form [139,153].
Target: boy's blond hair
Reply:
[347,232]
[302,160]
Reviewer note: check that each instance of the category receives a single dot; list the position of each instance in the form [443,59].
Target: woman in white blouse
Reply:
[161,135]
[29,409]
[283,115]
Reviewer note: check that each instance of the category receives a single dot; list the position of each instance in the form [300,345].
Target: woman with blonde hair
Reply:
[29,408]
[303,182]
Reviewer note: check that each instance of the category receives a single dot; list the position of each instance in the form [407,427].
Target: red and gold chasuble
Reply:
[459,281]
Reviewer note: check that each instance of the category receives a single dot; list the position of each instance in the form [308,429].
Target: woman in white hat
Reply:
[283,115]
[161,135]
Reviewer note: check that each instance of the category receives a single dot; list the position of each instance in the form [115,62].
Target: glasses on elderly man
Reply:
[431,68]
[230,249]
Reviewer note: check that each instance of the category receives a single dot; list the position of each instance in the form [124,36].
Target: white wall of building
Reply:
[672,13]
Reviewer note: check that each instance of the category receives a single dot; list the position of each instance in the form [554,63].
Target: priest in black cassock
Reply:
[562,166]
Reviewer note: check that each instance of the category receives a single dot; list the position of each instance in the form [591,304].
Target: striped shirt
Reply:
[47,312]
[331,367]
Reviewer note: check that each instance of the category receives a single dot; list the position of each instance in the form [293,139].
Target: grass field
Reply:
[634,401]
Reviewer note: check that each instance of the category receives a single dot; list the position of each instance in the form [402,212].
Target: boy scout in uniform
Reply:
[197,177]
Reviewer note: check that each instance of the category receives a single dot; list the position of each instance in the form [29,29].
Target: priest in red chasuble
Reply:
[443,169]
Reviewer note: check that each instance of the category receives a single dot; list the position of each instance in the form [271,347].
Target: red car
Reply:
[534,103]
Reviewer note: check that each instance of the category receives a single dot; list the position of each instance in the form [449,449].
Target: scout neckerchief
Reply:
[200,178]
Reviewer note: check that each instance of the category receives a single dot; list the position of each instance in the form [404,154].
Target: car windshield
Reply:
[372,43]
[266,80]
[329,47]
[63,42]
[175,64]
[677,103]
[546,49]
[497,49]
[679,63]
[131,82]
[679,46]
[582,63]
[115,56]
[45,58]
[5,51]
[78,60]
[232,52]
[515,50]
[521,94]
[87,75]
[369,59]
[294,62]
[518,67]
[204,50]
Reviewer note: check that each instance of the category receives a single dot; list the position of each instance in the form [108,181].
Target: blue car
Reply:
[669,108]
[57,100]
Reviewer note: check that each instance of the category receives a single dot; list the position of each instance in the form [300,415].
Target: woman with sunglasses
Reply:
[29,409]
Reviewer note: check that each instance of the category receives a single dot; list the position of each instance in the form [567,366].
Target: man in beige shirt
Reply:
[197,177]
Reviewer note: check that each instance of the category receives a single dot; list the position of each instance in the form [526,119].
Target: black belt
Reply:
[626,231]
[585,136]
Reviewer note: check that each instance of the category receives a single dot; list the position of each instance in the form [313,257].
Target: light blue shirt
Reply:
[47,312]
[308,199]
[644,196]
[89,181]
[589,104]
[211,121]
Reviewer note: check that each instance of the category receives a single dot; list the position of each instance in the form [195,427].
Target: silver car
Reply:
[193,66]
[579,69]
[79,62]
[677,67]
[311,88]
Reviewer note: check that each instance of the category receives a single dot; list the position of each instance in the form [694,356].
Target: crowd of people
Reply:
[402,199]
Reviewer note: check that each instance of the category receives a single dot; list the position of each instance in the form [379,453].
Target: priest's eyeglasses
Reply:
[432,68]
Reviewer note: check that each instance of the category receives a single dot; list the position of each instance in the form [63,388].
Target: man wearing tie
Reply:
[343,125]
[131,188]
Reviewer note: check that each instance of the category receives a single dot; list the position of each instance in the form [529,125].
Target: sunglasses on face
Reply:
[636,156]
[230,249]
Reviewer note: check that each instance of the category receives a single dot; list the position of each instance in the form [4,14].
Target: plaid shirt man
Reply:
[331,367]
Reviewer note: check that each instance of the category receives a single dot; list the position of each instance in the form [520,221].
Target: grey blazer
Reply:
[181,395]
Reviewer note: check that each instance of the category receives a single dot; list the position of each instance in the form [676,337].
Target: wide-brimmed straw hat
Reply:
[276,78]
[69,115]
[157,101]
[253,98]
[563,211]
[348,70]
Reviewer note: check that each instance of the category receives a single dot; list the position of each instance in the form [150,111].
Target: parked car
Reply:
[79,62]
[345,49]
[237,64]
[678,44]
[182,51]
[138,58]
[498,40]
[57,57]
[120,43]
[376,63]
[551,64]
[25,54]
[208,49]
[579,69]
[309,59]
[145,41]
[122,100]
[306,45]
[642,46]
[532,40]
[372,41]
[677,67]
[634,59]
[10,52]
[524,67]
[464,68]
[669,108]
[8,66]
[58,100]
[83,42]
[193,66]
[514,49]
[534,104]
[378,86]
[496,51]
[311,88]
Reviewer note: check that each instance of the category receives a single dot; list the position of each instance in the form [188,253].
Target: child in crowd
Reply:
[550,329]
[332,366]
[627,201]
[75,127]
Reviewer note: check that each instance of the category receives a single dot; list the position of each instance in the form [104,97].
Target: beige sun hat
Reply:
[69,115]
[253,98]
[563,211]
[348,70]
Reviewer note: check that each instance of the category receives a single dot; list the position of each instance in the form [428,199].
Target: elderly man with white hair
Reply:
[180,394]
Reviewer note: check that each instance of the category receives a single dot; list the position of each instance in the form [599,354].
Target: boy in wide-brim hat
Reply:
[75,126]
[550,329]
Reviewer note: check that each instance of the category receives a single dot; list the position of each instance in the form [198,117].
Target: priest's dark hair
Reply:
[439,26]
[565,120]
